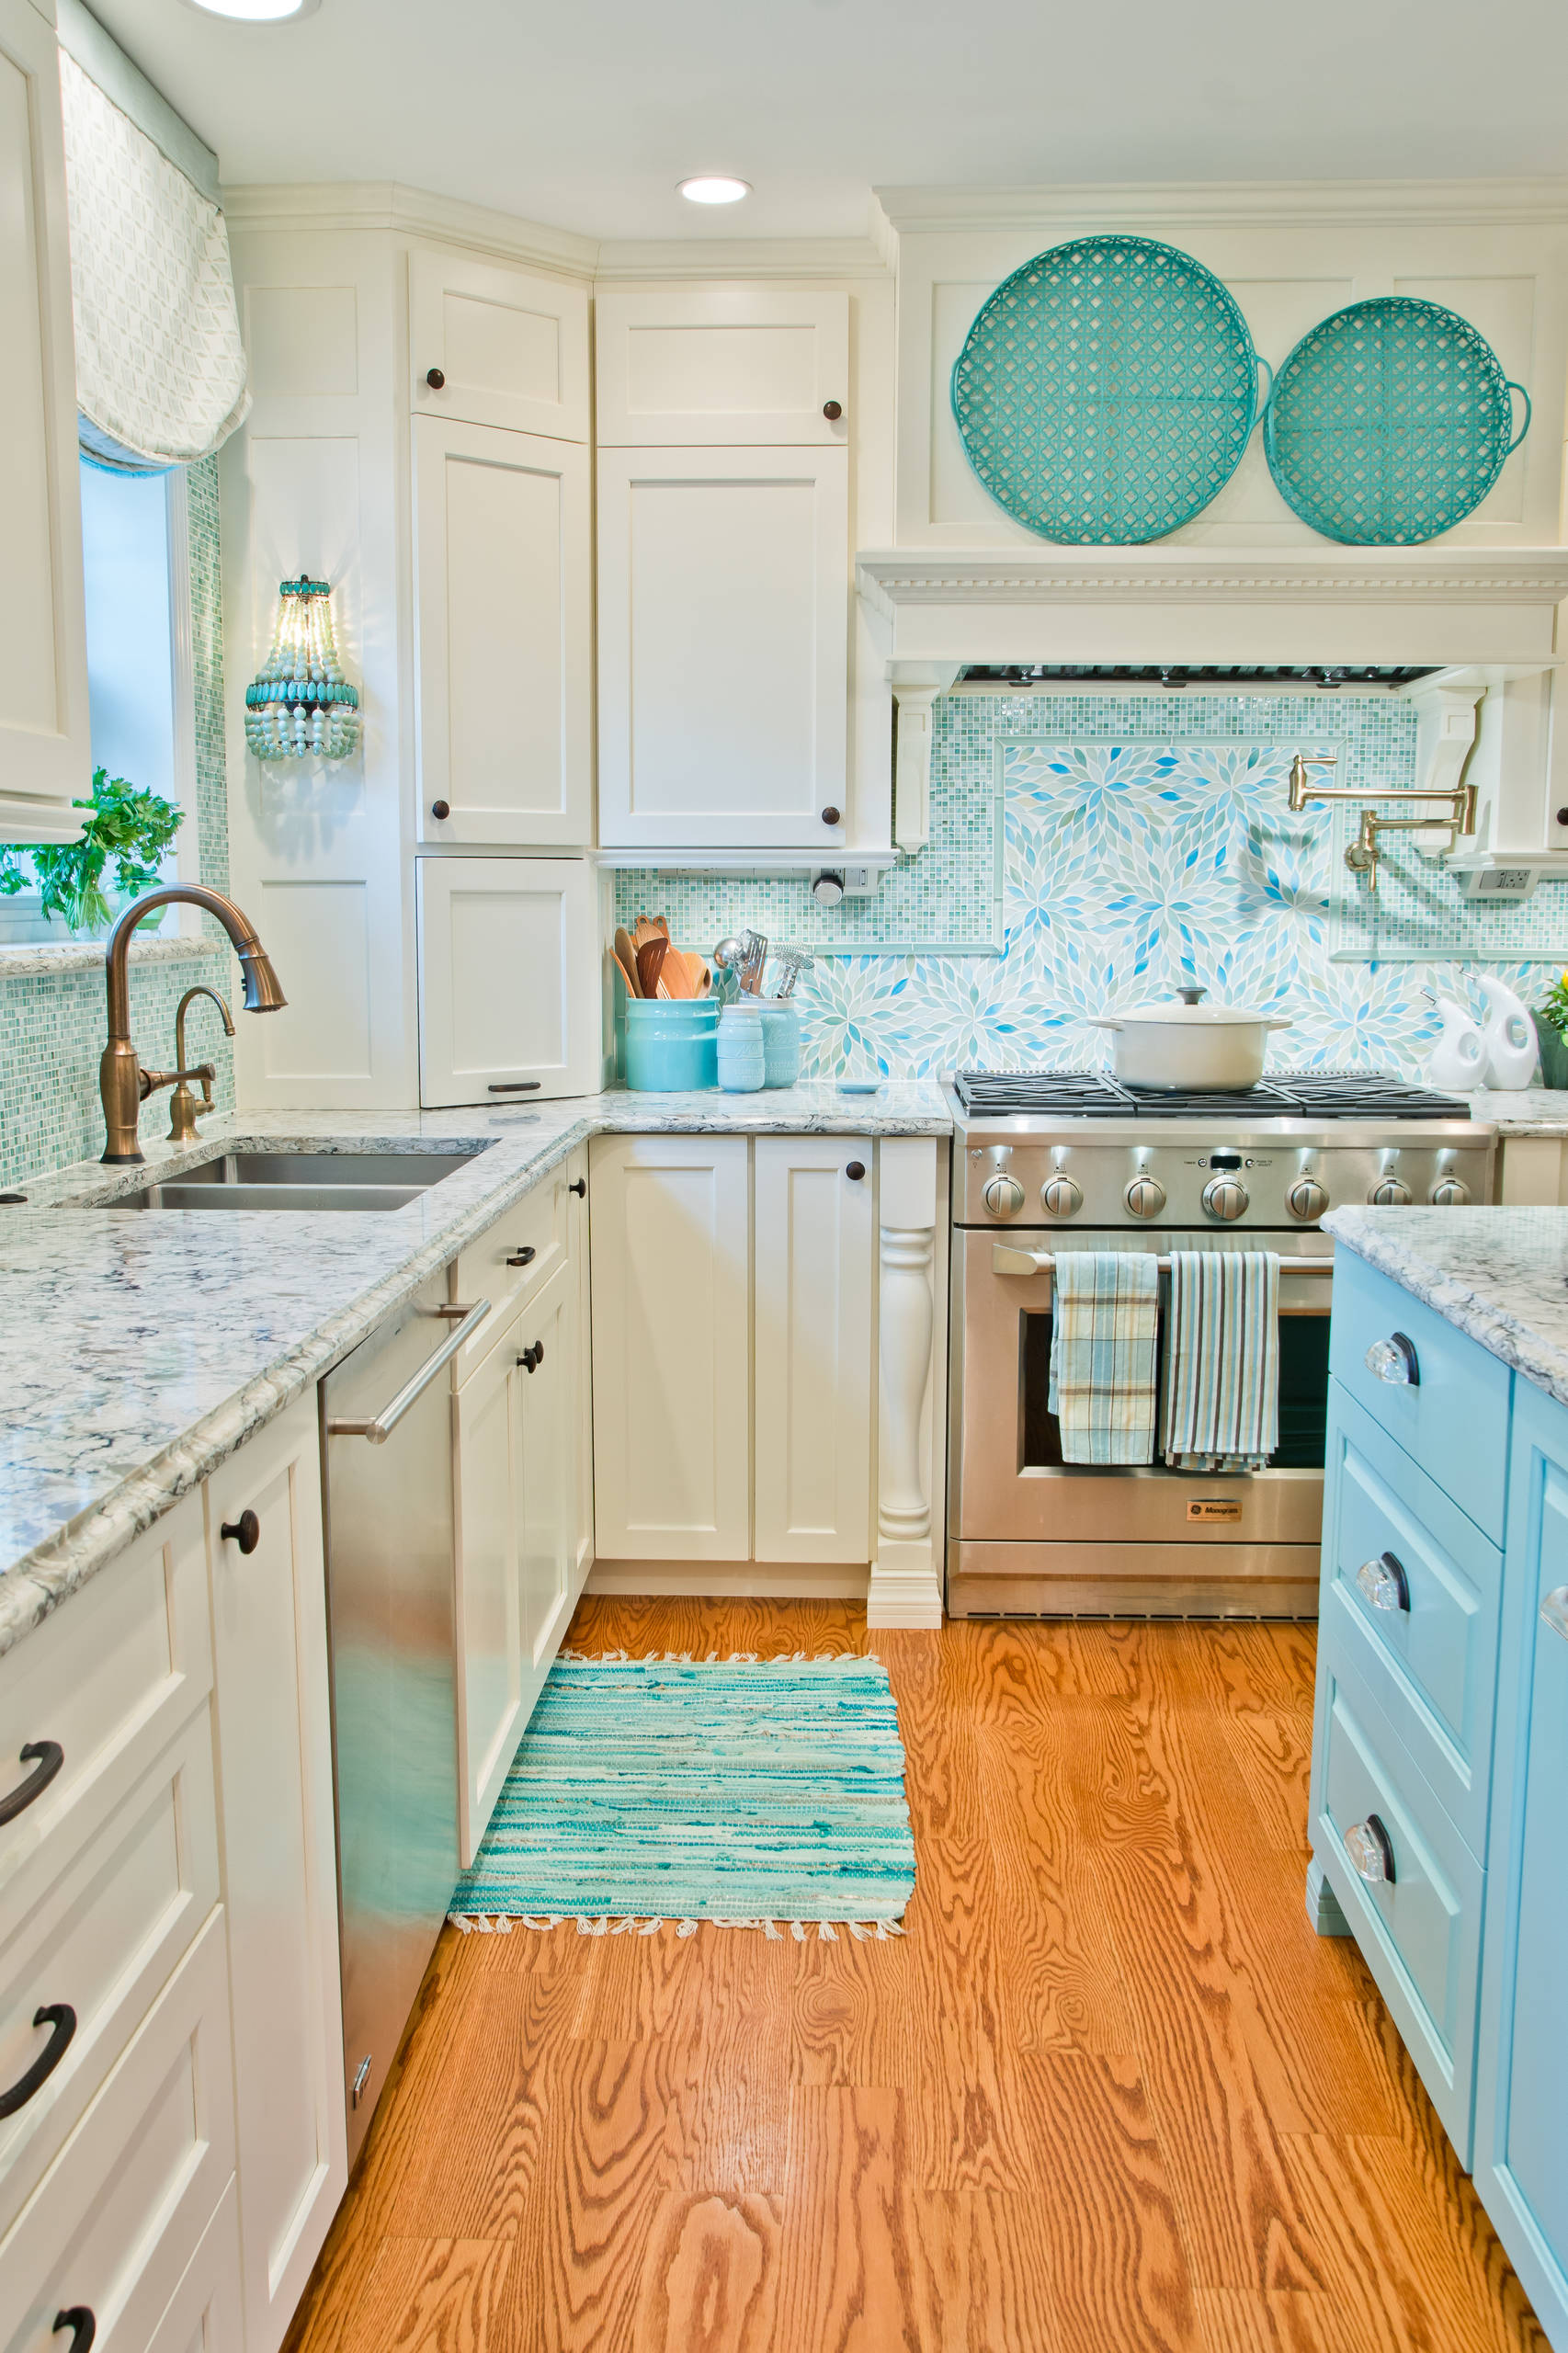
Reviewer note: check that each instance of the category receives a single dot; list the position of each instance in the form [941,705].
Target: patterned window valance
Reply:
[160,365]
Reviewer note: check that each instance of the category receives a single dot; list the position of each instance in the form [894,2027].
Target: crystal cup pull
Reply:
[1554,1611]
[1370,1850]
[1384,1583]
[1395,1361]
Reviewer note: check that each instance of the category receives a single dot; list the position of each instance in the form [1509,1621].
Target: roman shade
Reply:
[160,365]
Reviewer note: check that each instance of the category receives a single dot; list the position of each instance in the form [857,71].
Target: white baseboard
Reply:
[731,1580]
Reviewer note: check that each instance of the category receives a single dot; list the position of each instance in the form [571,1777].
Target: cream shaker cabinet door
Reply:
[45,747]
[723,621]
[511,983]
[275,1825]
[708,365]
[490,1535]
[671,1347]
[814,1241]
[494,344]
[503,567]
[547,1354]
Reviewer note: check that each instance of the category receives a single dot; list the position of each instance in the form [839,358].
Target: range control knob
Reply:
[1145,1197]
[1004,1197]
[1307,1198]
[1388,1193]
[1448,1193]
[1225,1198]
[1061,1196]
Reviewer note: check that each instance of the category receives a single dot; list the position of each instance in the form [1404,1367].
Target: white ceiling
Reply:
[584,117]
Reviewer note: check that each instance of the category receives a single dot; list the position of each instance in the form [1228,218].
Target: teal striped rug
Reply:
[761,1793]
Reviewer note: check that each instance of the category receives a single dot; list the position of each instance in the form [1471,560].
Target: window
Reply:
[141,693]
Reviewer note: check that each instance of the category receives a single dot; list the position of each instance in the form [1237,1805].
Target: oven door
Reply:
[1009,1483]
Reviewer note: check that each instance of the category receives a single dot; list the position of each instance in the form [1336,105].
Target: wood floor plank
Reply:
[1109,2092]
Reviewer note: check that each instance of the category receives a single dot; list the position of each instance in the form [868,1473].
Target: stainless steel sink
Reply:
[299,1180]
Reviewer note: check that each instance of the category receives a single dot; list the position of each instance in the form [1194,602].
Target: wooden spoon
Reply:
[650,960]
[674,974]
[626,957]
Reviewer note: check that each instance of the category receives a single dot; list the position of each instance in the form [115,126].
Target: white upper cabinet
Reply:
[710,366]
[724,617]
[45,746]
[511,979]
[490,344]
[503,615]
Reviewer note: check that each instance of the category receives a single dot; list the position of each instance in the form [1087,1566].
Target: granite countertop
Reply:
[139,1349]
[1499,1274]
[1524,1111]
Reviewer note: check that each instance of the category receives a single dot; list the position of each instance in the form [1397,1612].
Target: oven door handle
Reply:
[1007,1258]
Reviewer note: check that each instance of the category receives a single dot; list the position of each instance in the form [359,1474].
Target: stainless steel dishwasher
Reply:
[386,1415]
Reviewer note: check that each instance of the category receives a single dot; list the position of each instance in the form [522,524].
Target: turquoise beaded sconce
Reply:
[300,706]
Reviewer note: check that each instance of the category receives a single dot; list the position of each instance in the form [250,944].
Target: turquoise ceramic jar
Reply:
[672,1045]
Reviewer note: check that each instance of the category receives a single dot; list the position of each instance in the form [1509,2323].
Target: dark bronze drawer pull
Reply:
[523,1257]
[46,1757]
[514,1085]
[61,2019]
[79,2319]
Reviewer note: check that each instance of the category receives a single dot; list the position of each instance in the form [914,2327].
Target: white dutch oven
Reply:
[1182,1043]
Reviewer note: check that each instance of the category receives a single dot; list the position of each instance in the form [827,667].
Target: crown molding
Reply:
[416,212]
[889,577]
[1479,203]
[352,205]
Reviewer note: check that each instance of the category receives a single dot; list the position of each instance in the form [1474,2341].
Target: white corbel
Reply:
[905,1586]
[915,685]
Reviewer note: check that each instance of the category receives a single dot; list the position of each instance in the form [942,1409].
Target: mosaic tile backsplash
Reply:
[1139,843]
[52,1023]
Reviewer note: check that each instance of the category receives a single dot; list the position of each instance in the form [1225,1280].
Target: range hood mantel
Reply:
[1438,606]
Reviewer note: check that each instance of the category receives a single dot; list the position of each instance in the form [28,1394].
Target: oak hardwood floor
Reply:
[1109,2094]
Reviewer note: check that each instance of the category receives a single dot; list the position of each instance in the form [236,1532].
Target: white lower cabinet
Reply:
[698,1456]
[511,986]
[276,1824]
[519,1564]
[108,2235]
[671,1347]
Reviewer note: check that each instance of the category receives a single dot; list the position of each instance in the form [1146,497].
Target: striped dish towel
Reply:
[1222,1398]
[1104,1355]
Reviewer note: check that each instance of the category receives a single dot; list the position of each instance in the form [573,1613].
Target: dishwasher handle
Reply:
[379,1430]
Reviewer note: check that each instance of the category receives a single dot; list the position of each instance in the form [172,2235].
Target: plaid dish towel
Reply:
[1104,1355]
[1222,1399]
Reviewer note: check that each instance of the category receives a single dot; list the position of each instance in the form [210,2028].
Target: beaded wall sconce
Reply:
[300,706]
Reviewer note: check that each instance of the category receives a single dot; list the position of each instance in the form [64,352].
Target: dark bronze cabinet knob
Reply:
[246,1531]
[434,377]
[531,1358]
[855,1171]
[832,817]
[579,1186]
[833,411]
[440,808]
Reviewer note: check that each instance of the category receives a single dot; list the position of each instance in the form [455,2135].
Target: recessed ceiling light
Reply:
[714,187]
[256,12]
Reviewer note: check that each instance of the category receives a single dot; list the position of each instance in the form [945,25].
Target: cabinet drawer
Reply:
[106,1681]
[100,1945]
[537,1230]
[1420,1933]
[120,2214]
[1432,1664]
[1454,1419]
[203,2314]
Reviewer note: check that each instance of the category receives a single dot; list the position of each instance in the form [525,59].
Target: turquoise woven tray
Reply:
[1106,390]
[1390,421]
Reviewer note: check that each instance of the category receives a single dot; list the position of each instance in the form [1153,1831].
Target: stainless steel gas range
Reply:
[1055,1161]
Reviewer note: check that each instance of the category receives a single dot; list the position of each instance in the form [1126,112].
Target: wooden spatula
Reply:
[650,960]
[626,957]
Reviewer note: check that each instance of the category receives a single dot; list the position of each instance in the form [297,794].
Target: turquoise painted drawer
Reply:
[1411,1592]
[1453,1415]
[1418,1926]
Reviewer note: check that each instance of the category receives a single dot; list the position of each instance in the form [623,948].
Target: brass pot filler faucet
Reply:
[122,1082]
[1361,857]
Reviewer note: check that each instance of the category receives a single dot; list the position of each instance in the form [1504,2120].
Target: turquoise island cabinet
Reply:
[1439,1813]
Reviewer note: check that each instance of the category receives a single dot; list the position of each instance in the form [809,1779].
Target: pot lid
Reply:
[1185,1012]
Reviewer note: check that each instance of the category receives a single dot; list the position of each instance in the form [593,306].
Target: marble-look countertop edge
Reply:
[33,1585]
[24,961]
[1523,1111]
[1503,1335]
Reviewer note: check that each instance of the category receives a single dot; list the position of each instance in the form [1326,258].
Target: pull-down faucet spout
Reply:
[121,1079]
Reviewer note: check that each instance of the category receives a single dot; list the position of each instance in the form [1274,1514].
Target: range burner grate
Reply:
[1286,1094]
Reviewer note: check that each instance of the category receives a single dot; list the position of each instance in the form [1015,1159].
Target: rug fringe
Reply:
[606,1924]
